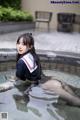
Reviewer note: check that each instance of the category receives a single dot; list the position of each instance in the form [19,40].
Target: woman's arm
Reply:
[21,70]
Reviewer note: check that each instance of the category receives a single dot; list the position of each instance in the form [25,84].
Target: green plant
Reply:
[10,14]
[11,3]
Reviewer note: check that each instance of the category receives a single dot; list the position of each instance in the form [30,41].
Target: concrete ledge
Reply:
[49,60]
[8,54]
[6,27]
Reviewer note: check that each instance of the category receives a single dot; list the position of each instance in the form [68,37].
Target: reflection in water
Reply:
[38,105]
[21,102]
[43,102]
[68,112]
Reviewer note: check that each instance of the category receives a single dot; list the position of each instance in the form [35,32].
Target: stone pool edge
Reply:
[64,61]
[7,54]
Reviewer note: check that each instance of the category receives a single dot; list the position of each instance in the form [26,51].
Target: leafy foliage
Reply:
[11,14]
[11,3]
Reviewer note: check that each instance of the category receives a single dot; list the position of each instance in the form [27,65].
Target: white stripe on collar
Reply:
[29,61]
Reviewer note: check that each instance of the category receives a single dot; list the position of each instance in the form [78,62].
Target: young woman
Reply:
[28,67]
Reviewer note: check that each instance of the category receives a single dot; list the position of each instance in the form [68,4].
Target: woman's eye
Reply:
[18,43]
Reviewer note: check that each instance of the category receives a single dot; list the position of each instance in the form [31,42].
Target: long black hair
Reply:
[29,40]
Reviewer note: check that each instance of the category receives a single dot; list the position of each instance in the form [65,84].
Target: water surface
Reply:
[37,105]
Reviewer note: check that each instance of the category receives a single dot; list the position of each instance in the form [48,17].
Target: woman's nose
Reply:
[20,46]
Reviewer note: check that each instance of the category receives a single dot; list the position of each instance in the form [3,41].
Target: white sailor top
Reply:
[27,68]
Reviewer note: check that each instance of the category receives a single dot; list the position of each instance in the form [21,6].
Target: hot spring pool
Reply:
[21,107]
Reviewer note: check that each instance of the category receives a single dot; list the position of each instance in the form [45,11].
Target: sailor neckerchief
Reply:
[29,62]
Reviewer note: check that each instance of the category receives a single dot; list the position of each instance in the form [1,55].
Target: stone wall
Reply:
[49,61]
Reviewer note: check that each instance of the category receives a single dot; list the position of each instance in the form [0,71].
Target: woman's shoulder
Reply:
[20,62]
[29,61]
[28,56]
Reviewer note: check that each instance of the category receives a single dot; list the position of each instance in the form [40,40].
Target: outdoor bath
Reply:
[38,105]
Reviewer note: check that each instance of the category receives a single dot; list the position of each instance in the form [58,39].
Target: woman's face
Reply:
[21,48]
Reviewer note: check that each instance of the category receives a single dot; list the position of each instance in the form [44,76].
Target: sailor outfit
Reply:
[27,68]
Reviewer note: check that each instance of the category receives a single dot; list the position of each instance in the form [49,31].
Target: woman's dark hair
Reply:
[28,40]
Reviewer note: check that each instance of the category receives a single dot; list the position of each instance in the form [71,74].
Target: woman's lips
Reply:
[20,50]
